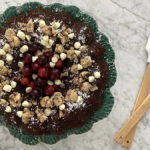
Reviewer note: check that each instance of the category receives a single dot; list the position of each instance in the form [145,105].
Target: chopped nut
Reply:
[86,62]
[56,55]
[34,58]
[80,67]
[28,89]
[27,116]
[3,102]
[70,54]
[1,63]
[19,114]
[47,111]
[57,82]
[93,88]
[6,48]
[23,26]
[71,95]
[77,81]
[64,40]
[97,74]
[83,74]
[59,48]
[15,99]
[77,45]
[62,107]
[38,53]
[86,86]
[74,68]
[71,35]
[21,35]
[30,26]
[7,88]
[3,70]
[57,98]
[47,30]
[52,65]
[61,114]
[3,83]
[63,56]
[45,38]
[2,52]
[26,104]
[41,116]
[50,82]
[65,74]
[54,59]
[16,42]
[13,84]
[24,49]
[51,42]
[91,78]
[8,109]
[42,23]
[34,103]
[46,102]
[20,64]
[9,34]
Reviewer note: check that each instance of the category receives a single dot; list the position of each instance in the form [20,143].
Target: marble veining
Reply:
[127,24]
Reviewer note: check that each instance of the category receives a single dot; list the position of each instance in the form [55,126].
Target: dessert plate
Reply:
[109,57]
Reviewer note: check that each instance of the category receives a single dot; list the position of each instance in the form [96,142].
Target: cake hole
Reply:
[120,137]
[127,141]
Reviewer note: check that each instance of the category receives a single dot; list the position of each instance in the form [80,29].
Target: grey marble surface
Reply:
[127,24]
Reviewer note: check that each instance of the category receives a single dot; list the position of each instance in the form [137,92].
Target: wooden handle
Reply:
[121,135]
[143,92]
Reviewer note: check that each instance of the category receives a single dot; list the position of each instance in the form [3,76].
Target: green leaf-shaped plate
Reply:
[109,57]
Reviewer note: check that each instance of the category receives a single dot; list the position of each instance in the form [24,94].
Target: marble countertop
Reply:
[127,24]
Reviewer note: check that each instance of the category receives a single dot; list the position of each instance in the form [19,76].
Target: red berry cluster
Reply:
[43,70]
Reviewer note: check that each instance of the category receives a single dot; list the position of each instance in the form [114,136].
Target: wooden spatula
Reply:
[135,117]
[143,92]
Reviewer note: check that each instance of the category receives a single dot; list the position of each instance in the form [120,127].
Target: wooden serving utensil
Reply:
[143,92]
[135,117]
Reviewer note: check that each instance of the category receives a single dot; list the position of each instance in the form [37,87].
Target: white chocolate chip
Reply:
[19,114]
[80,67]
[2,52]
[77,45]
[62,107]
[63,56]
[54,59]
[71,35]
[6,47]
[21,35]
[7,88]
[26,104]
[1,63]
[20,64]
[56,25]
[8,109]
[28,89]
[34,76]
[51,42]
[47,111]
[24,49]
[20,55]
[45,38]
[91,78]
[9,58]
[97,74]
[83,48]
[56,55]
[50,82]
[34,58]
[28,37]
[13,84]
[79,100]
[42,23]
[57,82]
[52,65]
[45,43]
[77,52]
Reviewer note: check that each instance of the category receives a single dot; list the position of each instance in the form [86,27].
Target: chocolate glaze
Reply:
[76,116]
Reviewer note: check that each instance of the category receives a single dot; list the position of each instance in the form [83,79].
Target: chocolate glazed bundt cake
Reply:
[52,72]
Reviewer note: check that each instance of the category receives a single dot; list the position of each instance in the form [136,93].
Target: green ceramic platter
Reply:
[109,57]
